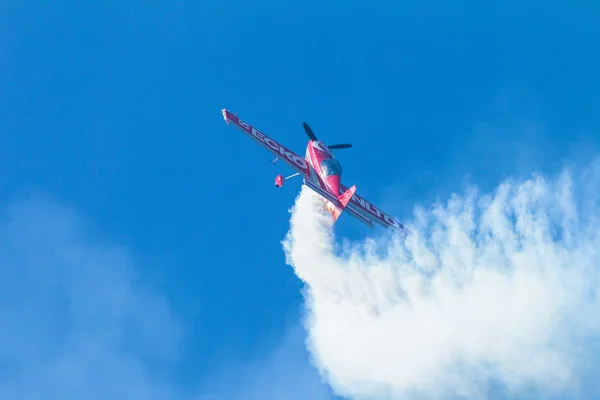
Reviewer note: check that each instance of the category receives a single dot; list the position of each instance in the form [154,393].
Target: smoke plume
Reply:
[493,290]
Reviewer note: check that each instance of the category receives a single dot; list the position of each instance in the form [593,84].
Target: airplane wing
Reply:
[294,160]
[369,211]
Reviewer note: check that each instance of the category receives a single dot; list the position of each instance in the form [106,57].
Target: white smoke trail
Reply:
[497,288]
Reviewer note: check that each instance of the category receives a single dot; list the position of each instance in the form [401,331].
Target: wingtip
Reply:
[225,117]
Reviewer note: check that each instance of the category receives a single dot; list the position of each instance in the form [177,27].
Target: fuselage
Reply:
[324,164]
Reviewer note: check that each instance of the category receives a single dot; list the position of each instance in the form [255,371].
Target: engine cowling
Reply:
[279,180]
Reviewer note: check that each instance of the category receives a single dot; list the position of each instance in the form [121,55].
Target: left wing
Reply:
[368,210]
[294,160]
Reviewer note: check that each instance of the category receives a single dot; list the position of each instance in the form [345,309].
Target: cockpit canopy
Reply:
[331,166]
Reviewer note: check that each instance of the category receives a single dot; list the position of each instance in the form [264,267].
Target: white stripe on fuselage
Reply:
[315,178]
[322,147]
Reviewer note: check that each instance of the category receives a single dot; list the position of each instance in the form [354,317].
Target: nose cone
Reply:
[333,181]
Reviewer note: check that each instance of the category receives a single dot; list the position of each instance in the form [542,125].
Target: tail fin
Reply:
[344,199]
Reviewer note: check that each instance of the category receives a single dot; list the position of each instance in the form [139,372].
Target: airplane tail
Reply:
[344,199]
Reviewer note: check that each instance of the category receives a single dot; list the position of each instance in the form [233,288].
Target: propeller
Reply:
[309,131]
[312,136]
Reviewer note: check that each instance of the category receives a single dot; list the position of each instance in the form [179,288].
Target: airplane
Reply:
[322,173]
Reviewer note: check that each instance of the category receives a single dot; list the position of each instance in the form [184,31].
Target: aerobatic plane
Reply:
[322,173]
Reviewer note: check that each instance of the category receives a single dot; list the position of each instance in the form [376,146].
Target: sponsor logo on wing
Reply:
[279,149]
[374,211]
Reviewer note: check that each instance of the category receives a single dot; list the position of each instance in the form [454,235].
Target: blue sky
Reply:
[114,157]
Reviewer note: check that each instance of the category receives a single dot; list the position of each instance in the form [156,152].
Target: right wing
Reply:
[294,160]
[368,210]
[331,198]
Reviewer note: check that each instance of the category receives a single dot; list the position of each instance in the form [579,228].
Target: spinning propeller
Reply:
[312,136]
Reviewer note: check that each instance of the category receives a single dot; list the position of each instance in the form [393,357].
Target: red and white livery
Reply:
[322,173]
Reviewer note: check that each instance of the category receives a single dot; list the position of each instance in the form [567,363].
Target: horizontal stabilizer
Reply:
[331,199]
[344,199]
[347,195]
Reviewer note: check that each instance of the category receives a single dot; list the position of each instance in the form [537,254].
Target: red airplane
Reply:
[322,173]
